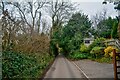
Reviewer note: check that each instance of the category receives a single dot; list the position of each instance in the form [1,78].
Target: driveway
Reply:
[95,70]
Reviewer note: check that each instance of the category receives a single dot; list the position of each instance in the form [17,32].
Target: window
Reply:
[87,41]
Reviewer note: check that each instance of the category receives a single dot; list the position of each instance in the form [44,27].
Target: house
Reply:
[88,41]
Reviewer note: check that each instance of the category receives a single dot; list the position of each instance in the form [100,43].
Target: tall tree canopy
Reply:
[71,35]
[79,23]
[104,27]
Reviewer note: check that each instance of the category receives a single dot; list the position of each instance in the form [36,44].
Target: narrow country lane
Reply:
[62,68]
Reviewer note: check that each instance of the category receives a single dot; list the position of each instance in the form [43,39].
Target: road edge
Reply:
[80,69]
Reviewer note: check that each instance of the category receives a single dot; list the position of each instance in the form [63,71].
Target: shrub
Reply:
[109,51]
[19,65]
[77,55]
[97,43]
[104,60]
[83,48]
[34,44]
[97,52]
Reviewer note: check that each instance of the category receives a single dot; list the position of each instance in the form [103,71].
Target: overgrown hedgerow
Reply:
[19,65]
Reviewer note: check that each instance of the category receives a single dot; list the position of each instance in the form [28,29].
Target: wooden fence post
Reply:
[115,64]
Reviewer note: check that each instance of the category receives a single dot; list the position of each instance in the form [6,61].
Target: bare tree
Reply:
[10,27]
[32,9]
[18,27]
[99,17]
[38,23]
[60,12]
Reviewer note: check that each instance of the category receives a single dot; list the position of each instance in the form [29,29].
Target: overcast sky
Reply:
[86,0]
[92,7]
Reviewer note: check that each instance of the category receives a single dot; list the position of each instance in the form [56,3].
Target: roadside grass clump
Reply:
[25,66]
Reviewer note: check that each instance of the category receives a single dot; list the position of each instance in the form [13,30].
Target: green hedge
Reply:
[19,65]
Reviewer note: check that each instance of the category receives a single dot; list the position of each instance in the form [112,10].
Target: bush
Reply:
[97,43]
[35,44]
[109,51]
[19,65]
[97,52]
[77,55]
[104,60]
[83,48]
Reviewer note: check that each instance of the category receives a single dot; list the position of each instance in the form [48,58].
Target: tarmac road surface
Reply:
[62,68]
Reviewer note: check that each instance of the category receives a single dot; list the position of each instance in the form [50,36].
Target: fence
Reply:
[116,64]
[113,42]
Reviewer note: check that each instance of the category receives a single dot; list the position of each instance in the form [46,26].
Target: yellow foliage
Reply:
[111,54]
[109,51]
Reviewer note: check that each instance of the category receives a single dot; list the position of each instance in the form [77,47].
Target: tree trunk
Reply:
[38,23]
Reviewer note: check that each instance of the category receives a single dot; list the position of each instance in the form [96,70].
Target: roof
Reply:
[89,39]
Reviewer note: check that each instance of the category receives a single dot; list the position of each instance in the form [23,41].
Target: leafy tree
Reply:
[71,35]
[60,12]
[119,31]
[80,23]
[114,30]
[104,27]
[117,7]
